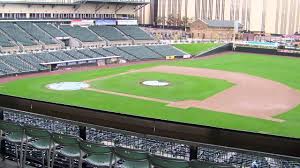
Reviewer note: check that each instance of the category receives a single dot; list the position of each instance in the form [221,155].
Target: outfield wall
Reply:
[265,51]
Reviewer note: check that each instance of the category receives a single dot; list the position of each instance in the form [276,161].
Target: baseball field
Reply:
[248,92]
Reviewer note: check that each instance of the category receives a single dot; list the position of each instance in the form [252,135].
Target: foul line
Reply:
[129,95]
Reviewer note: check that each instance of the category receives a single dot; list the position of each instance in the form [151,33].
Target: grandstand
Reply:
[135,32]
[121,53]
[111,34]
[84,35]
[52,30]
[20,36]
[141,52]
[18,64]
[165,50]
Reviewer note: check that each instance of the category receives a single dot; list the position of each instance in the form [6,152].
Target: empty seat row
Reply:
[18,64]
[33,60]
[141,52]
[81,33]
[37,33]
[17,34]
[95,154]
[90,53]
[166,50]
[121,53]
[108,32]
[76,55]
[135,32]
[46,57]
[6,69]
[62,56]
[52,30]
[5,41]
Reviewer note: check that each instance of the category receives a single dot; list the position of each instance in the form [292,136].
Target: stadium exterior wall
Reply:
[271,16]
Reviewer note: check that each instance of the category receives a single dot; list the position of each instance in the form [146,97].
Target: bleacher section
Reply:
[18,64]
[33,60]
[37,33]
[46,57]
[166,50]
[17,34]
[6,69]
[90,53]
[75,54]
[52,30]
[62,56]
[81,33]
[121,53]
[108,32]
[141,52]
[135,32]
[5,41]
[103,52]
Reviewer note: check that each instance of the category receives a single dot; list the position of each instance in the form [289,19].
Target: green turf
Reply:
[196,48]
[282,69]
[181,87]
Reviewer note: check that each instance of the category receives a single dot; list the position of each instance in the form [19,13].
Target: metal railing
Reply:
[156,145]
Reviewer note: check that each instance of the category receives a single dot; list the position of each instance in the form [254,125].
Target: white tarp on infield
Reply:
[68,86]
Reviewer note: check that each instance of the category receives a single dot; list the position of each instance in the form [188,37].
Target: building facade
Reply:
[214,29]
[270,16]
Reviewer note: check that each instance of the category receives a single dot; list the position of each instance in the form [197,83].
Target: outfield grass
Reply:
[196,48]
[282,69]
[181,87]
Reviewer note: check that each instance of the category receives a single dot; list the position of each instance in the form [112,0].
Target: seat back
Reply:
[93,148]
[10,127]
[65,140]
[35,132]
[163,162]
[130,154]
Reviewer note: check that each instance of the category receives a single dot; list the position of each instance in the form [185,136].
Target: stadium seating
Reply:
[33,60]
[108,32]
[62,56]
[37,33]
[46,57]
[121,53]
[52,30]
[18,64]
[135,32]
[141,52]
[6,69]
[166,50]
[103,52]
[81,33]
[89,53]
[17,34]
[76,54]
[5,41]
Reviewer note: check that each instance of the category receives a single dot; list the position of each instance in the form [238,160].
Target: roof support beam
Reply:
[99,6]
[119,7]
[139,7]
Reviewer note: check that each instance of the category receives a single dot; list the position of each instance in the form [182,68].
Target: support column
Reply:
[82,135]
[193,152]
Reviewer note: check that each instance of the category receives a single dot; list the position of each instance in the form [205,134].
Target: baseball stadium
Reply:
[131,84]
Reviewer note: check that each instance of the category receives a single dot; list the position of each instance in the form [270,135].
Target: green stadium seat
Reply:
[132,158]
[163,162]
